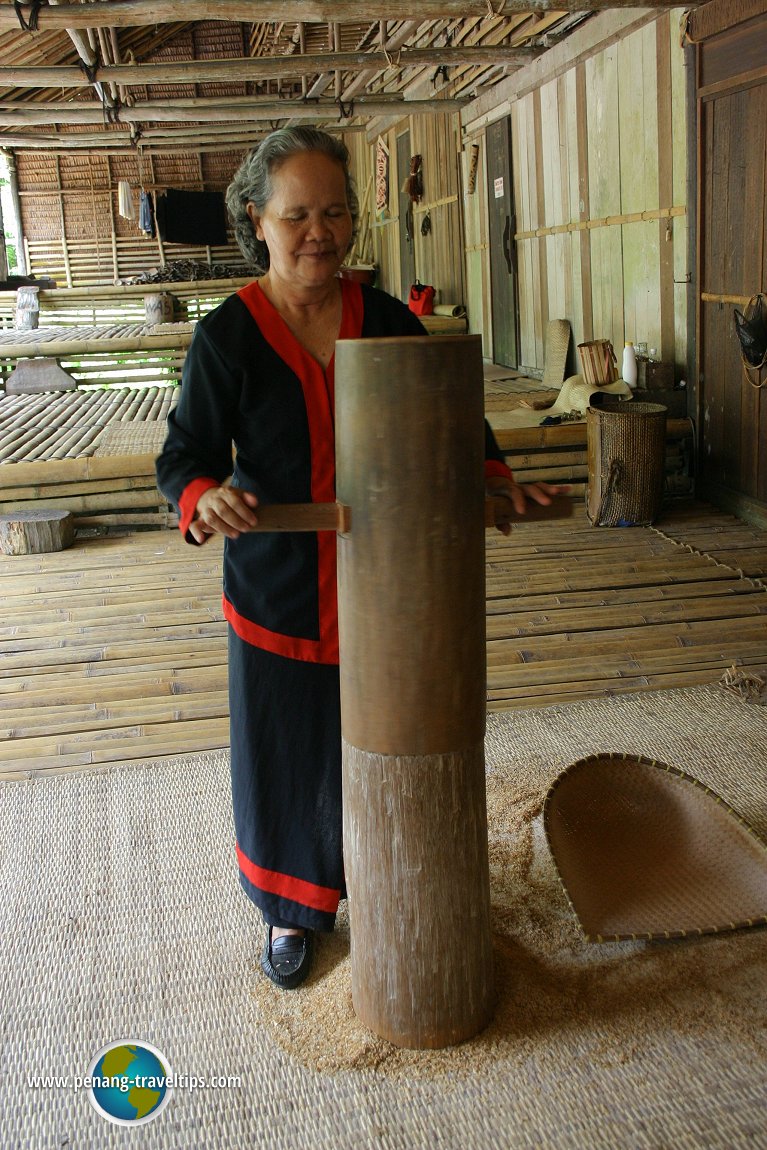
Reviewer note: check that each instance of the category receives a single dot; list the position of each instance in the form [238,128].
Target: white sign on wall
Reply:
[498,188]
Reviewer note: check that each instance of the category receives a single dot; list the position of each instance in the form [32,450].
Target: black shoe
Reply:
[287,959]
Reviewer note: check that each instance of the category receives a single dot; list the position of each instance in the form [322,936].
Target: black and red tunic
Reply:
[248,381]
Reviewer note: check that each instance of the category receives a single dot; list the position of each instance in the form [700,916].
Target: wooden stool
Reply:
[36,532]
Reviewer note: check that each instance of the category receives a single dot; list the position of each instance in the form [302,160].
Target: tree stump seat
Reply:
[36,532]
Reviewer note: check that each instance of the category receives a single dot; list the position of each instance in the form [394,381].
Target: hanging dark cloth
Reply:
[191,217]
[146,213]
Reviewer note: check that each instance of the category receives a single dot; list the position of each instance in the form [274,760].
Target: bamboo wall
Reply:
[72,228]
[599,171]
[438,254]
[73,231]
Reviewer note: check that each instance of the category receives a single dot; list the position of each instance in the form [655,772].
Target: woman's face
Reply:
[306,225]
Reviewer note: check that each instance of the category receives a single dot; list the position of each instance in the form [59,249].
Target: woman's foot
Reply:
[287,956]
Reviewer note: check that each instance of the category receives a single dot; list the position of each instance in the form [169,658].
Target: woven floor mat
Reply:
[121,918]
[136,438]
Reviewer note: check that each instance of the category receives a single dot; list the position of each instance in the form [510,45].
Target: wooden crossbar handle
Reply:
[302,517]
[337,517]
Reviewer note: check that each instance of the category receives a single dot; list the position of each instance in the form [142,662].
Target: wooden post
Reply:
[27,308]
[410,450]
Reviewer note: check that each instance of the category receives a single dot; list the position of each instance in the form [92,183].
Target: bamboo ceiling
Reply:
[109,75]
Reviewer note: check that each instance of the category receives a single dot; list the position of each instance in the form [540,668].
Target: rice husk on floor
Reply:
[560,998]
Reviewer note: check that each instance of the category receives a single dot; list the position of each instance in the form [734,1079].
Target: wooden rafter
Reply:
[232,70]
[219,110]
[132,13]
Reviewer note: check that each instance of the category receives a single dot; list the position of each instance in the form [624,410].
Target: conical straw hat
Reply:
[645,851]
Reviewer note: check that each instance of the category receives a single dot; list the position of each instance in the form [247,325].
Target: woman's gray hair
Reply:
[252,182]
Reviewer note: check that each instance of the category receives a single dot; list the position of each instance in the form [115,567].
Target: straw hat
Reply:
[578,395]
[643,850]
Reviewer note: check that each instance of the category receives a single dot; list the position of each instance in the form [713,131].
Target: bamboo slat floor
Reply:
[114,651]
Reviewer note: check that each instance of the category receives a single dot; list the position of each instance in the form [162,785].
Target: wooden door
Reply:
[406,241]
[501,228]
[732,412]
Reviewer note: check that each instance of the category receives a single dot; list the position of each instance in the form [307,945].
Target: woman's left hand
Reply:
[519,494]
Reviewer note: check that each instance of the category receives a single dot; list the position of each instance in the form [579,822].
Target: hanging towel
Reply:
[146,213]
[191,217]
[125,200]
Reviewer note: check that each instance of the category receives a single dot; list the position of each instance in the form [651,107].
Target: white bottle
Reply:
[629,365]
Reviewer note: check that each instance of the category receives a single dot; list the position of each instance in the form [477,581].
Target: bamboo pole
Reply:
[96,502]
[72,470]
[261,68]
[42,491]
[202,288]
[603,222]
[224,111]
[64,248]
[72,346]
[139,13]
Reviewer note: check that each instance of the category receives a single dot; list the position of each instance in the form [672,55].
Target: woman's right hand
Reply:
[223,511]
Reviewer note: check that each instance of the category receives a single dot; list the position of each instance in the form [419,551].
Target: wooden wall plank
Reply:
[542,313]
[639,162]
[604,159]
[476,247]
[565,307]
[584,206]
[682,271]
[522,136]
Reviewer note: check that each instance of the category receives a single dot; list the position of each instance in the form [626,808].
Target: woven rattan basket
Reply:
[626,452]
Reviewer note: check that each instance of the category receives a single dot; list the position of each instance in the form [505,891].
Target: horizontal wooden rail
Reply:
[337,517]
[715,297]
[565,434]
[603,222]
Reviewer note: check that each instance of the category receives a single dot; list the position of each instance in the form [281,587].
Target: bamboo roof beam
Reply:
[136,13]
[215,138]
[19,116]
[90,59]
[263,68]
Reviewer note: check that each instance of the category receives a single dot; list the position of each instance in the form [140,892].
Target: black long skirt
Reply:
[286,784]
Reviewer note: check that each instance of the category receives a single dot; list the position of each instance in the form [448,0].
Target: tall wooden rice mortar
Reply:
[411,571]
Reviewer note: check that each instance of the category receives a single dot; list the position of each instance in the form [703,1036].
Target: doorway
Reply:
[503,257]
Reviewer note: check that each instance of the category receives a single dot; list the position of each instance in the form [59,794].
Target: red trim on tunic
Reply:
[319,396]
[291,646]
[286,886]
[187,504]
[494,467]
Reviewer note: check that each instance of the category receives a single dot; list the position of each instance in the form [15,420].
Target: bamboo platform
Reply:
[59,425]
[76,341]
[114,651]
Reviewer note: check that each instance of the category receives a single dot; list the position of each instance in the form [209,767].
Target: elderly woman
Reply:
[259,374]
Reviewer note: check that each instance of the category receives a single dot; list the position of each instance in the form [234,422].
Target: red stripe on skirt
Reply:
[284,885]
